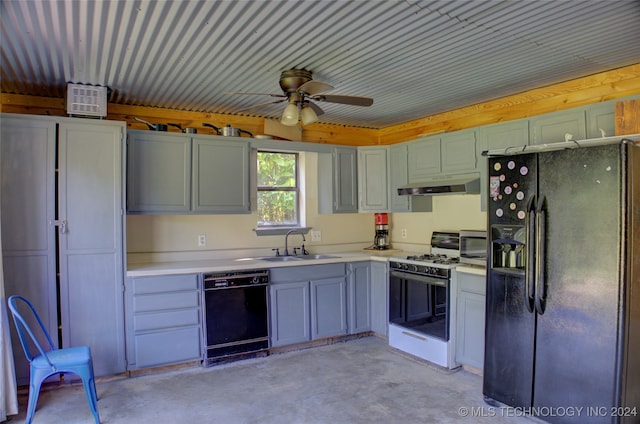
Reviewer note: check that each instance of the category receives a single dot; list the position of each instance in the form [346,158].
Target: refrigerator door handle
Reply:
[529,283]
[540,278]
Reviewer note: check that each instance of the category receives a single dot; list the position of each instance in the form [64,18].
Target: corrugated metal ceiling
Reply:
[415,58]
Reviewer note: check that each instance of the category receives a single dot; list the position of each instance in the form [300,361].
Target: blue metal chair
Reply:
[76,360]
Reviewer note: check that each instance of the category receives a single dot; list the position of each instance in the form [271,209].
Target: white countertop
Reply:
[238,264]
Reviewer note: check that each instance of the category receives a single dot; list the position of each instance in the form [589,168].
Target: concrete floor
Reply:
[359,381]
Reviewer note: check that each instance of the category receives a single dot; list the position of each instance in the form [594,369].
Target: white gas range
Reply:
[421,310]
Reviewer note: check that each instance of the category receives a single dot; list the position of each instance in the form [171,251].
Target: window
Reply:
[278,190]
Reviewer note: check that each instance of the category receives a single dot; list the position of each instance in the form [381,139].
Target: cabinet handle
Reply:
[415,336]
[59,223]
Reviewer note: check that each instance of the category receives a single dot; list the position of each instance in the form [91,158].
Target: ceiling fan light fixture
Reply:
[290,115]
[308,115]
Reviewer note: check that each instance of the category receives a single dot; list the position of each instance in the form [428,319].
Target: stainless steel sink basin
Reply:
[316,256]
[281,258]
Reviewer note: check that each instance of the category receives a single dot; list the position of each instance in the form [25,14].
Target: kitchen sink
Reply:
[281,258]
[316,256]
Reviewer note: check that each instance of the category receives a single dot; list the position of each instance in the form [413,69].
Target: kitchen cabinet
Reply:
[552,127]
[372,179]
[163,323]
[180,174]
[62,235]
[380,297]
[458,151]
[442,155]
[220,175]
[601,118]
[359,296]
[338,181]
[307,303]
[498,136]
[159,172]
[398,177]
[470,317]
[424,158]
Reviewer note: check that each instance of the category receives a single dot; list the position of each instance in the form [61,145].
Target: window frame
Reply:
[281,228]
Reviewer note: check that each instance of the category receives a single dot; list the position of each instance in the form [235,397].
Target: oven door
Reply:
[419,302]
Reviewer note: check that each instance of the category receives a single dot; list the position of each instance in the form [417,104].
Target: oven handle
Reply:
[235,287]
[420,278]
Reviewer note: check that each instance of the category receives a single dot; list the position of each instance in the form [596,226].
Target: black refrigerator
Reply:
[562,339]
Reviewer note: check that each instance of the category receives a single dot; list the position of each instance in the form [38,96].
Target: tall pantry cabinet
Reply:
[62,201]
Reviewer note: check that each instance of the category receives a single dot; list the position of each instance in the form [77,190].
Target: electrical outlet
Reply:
[316,235]
[404,233]
[202,240]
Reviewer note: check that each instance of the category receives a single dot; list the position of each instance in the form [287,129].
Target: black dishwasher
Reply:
[236,309]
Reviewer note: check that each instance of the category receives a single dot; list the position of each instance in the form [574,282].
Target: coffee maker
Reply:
[381,239]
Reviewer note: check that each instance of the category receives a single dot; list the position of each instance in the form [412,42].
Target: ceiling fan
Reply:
[301,91]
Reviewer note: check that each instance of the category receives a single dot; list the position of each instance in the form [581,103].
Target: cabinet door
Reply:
[499,136]
[220,173]
[159,172]
[552,127]
[470,319]
[424,158]
[459,152]
[90,200]
[289,310]
[346,180]
[470,331]
[372,179]
[359,297]
[601,120]
[328,307]
[27,154]
[379,297]
[398,177]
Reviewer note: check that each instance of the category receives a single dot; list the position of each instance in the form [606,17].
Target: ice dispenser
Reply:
[508,247]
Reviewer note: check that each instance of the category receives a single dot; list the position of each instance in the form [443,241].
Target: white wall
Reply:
[175,237]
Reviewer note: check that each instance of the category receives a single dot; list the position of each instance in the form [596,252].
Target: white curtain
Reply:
[8,393]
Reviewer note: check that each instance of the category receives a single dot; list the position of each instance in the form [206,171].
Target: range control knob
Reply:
[413,268]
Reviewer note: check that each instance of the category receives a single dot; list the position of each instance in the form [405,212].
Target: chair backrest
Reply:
[25,330]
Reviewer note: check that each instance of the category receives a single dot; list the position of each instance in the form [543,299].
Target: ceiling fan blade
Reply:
[316,108]
[254,94]
[347,100]
[314,87]
[262,104]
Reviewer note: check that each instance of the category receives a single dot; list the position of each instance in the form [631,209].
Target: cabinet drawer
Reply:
[166,319]
[165,347]
[472,283]
[306,273]
[165,301]
[165,283]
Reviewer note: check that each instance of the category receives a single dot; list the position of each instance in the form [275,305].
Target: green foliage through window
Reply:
[277,189]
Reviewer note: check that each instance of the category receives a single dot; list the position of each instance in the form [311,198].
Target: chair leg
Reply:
[34,392]
[92,398]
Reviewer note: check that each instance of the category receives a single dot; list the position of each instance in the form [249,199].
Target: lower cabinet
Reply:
[359,297]
[380,297]
[470,318]
[164,320]
[307,303]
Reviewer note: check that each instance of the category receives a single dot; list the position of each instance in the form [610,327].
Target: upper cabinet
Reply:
[373,179]
[398,177]
[159,172]
[220,175]
[458,151]
[424,158]
[552,127]
[178,174]
[445,154]
[338,181]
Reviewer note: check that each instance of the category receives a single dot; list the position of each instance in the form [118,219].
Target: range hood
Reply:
[463,184]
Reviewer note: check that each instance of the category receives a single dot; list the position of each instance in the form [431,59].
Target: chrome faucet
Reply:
[286,240]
